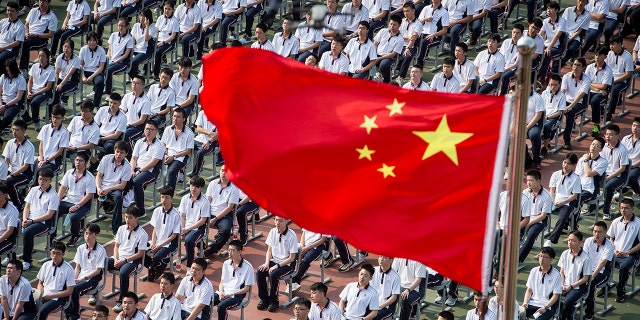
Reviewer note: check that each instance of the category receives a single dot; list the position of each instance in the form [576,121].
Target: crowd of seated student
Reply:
[128,131]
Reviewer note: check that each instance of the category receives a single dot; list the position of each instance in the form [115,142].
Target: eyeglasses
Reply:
[541,256]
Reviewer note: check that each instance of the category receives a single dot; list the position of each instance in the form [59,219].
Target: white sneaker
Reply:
[180,176]
[634,197]
[451,301]
[37,126]
[547,243]
[295,286]
[5,262]
[26,266]
[438,299]
[117,308]
[92,301]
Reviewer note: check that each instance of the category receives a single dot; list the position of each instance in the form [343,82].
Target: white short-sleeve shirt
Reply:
[386,283]
[204,122]
[145,152]
[388,43]
[137,33]
[489,64]
[195,293]
[188,17]
[359,300]
[41,76]
[176,142]
[166,26]
[194,209]
[11,31]
[77,11]
[574,266]
[285,46]
[21,292]
[596,252]
[81,133]
[56,278]
[165,223]
[112,172]
[625,234]
[333,64]
[66,65]
[221,197]
[78,187]
[119,45]
[9,216]
[135,106]
[41,201]
[18,153]
[282,244]
[360,54]
[234,280]
[161,98]
[576,21]
[40,23]
[572,86]
[109,123]
[11,87]
[543,286]
[90,259]
[53,139]
[308,35]
[130,241]
[91,59]
[183,88]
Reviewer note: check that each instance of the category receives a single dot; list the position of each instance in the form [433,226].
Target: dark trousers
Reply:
[8,54]
[116,197]
[50,307]
[10,112]
[60,36]
[200,154]
[73,311]
[531,235]
[624,264]
[596,281]
[609,188]
[343,250]
[596,106]
[190,241]
[132,134]
[103,22]
[634,175]
[573,49]
[112,70]
[324,47]
[494,15]
[75,217]
[241,217]
[249,16]
[225,226]
[140,182]
[405,61]
[564,213]
[157,261]
[59,95]
[455,32]
[161,51]
[14,183]
[531,309]
[385,69]
[475,27]
[306,261]
[27,46]
[409,304]
[126,271]
[506,79]
[488,87]
[270,295]
[226,304]
[531,6]
[610,26]
[36,104]
[203,39]
[592,38]
[570,120]
[172,171]
[53,166]
[29,234]
[549,128]
[227,20]
[568,309]
[186,41]
[615,96]
[270,14]
[138,59]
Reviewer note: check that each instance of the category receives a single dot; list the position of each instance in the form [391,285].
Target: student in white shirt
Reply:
[12,89]
[42,76]
[143,32]
[56,281]
[40,25]
[15,293]
[9,220]
[77,188]
[39,211]
[211,12]
[236,281]
[167,26]
[54,139]
[67,72]
[195,210]
[93,60]
[12,32]
[90,260]
[104,12]
[196,292]
[75,23]
[164,238]
[130,246]
[164,305]
[129,308]
[18,153]
[119,53]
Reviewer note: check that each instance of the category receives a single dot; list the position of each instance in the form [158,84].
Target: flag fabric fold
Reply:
[391,171]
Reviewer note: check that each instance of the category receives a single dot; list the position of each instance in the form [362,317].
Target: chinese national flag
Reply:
[391,171]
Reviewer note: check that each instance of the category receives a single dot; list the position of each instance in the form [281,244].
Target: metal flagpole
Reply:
[526,45]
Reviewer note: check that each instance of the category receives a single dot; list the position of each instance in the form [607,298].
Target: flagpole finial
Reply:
[526,45]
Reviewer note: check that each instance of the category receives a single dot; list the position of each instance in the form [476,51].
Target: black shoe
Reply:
[588,316]
[209,252]
[262,305]
[621,298]
[567,146]
[544,152]
[273,307]
[73,241]
[27,118]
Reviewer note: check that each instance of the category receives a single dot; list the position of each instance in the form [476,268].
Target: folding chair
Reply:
[96,292]
[48,234]
[116,290]
[243,304]
[37,296]
[288,279]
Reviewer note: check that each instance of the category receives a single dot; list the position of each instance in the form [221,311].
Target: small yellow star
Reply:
[387,170]
[365,152]
[442,140]
[369,123]
[396,107]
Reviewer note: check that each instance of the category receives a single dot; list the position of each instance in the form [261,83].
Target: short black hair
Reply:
[237,244]
[518,26]
[152,123]
[169,276]
[102,309]
[365,24]
[185,62]
[556,77]
[57,110]
[58,245]
[535,173]
[600,224]
[397,18]
[319,287]
[115,96]
[82,155]
[614,127]
[572,157]
[537,22]
[262,26]
[167,191]
[462,46]
[4,189]
[447,315]
[122,145]
[197,181]
[577,234]
[369,268]
[167,71]
[92,227]
[553,5]
[602,50]
[201,262]
[449,61]
[45,173]
[548,251]
[134,211]
[20,123]
[615,39]
[303,302]
[132,295]
[87,104]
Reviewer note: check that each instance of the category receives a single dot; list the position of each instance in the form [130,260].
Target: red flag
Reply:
[391,171]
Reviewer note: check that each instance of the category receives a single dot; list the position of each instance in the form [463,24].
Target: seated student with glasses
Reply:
[544,287]
[237,280]
[301,309]
[100,313]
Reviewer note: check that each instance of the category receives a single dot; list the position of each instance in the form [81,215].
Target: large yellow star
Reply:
[369,123]
[365,152]
[396,107]
[442,140]
[387,170]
